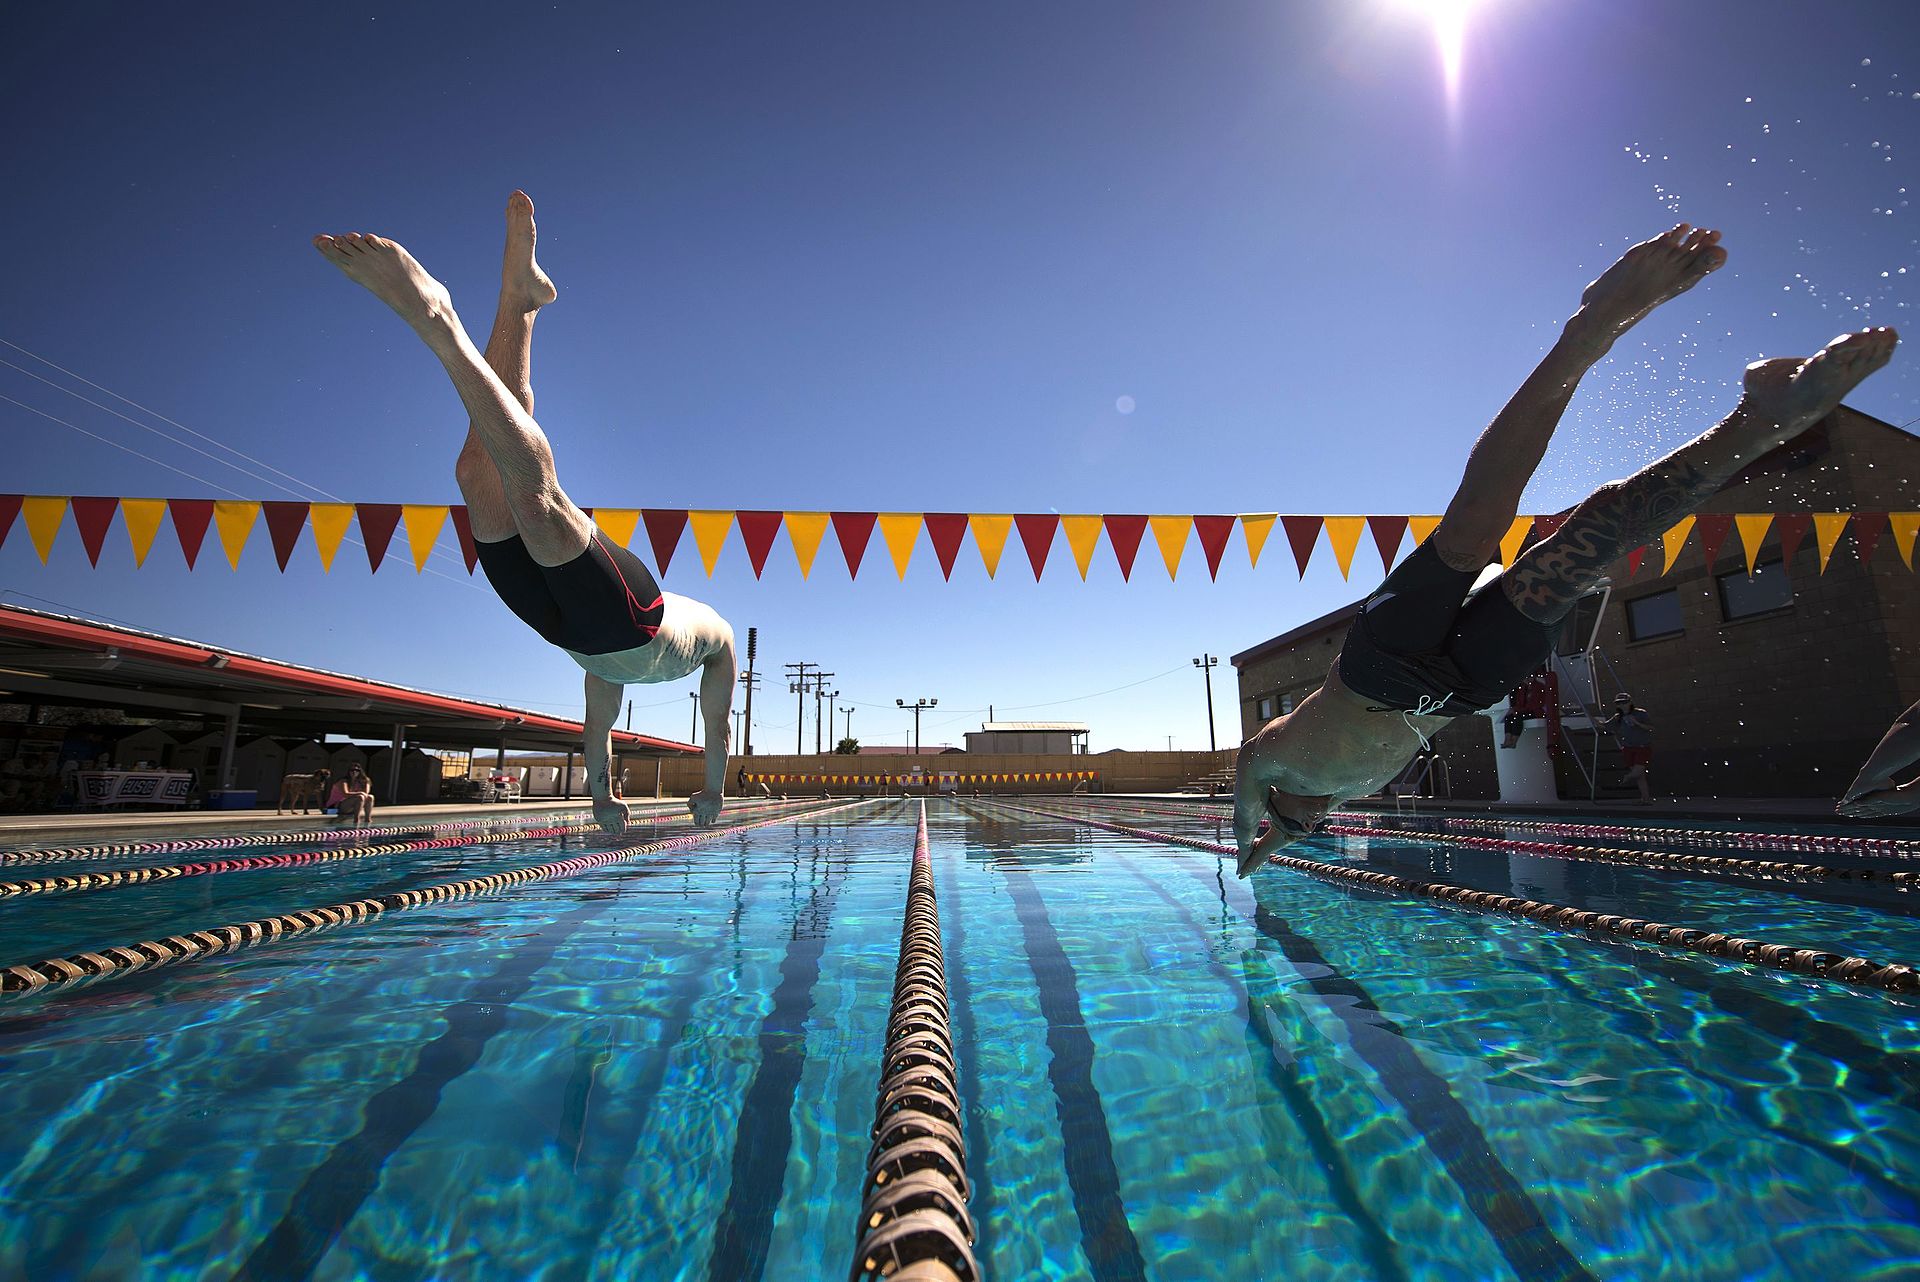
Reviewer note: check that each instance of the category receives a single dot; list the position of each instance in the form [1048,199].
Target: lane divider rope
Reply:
[92,967]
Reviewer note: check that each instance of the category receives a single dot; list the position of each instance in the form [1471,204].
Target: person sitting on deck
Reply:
[1426,647]
[354,798]
[1874,792]
[543,555]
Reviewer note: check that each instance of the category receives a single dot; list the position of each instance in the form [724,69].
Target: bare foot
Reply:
[392,275]
[522,284]
[1646,276]
[1787,395]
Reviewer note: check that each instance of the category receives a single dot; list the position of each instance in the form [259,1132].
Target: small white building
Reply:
[1062,738]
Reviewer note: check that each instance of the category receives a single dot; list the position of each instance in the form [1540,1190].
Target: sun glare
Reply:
[1449,19]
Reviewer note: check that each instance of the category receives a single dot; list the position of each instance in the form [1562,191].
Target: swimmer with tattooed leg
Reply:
[542,554]
[1425,647]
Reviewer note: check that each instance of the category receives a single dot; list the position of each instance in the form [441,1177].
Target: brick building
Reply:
[1775,684]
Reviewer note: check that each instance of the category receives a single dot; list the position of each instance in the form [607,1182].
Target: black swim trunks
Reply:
[602,601]
[1425,642]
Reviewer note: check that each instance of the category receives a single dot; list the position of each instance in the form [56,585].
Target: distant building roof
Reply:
[1020,727]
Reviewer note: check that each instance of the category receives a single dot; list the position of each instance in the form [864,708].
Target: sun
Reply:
[1449,19]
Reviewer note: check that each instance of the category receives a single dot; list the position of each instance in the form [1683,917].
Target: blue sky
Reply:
[909,258]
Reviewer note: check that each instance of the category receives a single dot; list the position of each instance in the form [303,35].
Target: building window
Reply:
[1653,616]
[1765,591]
[1264,709]
[1287,703]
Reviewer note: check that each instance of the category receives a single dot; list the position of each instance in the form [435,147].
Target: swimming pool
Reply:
[664,1066]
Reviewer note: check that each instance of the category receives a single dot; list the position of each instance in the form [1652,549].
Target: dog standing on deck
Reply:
[304,791]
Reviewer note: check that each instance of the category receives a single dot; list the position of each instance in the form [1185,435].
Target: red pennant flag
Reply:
[1387,533]
[853,529]
[1712,527]
[1214,531]
[1791,527]
[377,522]
[1301,533]
[947,530]
[1633,560]
[285,520]
[1545,527]
[190,520]
[664,529]
[93,516]
[463,528]
[756,531]
[1867,529]
[1036,532]
[1123,535]
[9,508]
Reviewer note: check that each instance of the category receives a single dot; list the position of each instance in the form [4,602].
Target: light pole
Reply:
[918,705]
[737,715]
[695,735]
[1206,663]
[831,696]
[848,714]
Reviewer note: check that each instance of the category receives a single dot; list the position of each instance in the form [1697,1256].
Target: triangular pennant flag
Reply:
[1516,539]
[990,536]
[901,530]
[234,519]
[1753,532]
[92,516]
[1420,527]
[1036,532]
[617,523]
[44,513]
[1867,529]
[423,530]
[710,534]
[1083,536]
[1387,533]
[9,508]
[190,520]
[1545,527]
[1124,533]
[1905,526]
[663,534]
[804,531]
[946,530]
[1302,533]
[330,522]
[757,531]
[143,523]
[1170,532]
[1634,558]
[1826,533]
[1257,528]
[854,530]
[378,521]
[1673,540]
[463,531]
[1214,531]
[1792,527]
[1713,527]
[1343,535]
[285,520]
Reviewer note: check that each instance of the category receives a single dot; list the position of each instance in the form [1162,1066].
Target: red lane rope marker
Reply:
[92,967]
[1857,972]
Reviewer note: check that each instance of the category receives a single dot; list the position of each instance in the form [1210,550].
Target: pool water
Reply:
[665,1069]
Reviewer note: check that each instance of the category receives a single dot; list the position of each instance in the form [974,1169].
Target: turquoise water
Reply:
[665,1069]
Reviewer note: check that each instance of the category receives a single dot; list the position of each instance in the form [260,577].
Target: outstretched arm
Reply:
[1873,791]
[603,705]
[716,700]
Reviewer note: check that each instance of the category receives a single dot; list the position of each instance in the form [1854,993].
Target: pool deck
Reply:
[160,824]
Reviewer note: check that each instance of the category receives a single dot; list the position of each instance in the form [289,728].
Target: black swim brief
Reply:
[602,601]
[1426,642]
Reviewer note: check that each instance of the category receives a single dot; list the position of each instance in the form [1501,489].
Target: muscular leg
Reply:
[1505,456]
[555,531]
[1782,398]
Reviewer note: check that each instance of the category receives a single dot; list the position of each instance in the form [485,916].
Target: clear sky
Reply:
[908,257]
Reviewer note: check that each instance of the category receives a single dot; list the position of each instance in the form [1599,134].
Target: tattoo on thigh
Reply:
[1546,582]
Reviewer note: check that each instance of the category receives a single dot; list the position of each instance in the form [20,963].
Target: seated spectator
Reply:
[355,797]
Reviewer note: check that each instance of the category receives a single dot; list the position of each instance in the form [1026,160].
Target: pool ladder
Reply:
[914,1225]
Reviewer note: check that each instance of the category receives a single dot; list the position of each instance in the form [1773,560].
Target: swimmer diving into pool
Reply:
[1425,647]
[542,554]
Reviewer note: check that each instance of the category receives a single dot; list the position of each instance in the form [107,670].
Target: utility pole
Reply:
[831,696]
[737,714]
[798,685]
[819,693]
[1206,663]
[750,681]
[743,734]
[918,705]
[695,735]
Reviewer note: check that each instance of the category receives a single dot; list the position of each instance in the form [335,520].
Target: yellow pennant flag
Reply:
[901,530]
[806,529]
[1826,530]
[44,513]
[423,528]
[1753,527]
[1421,526]
[1672,541]
[1904,526]
[990,536]
[710,533]
[1083,536]
[1170,532]
[1343,533]
[143,523]
[330,522]
[1516,539]
[1257,527]
[617,522]
[235,518]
